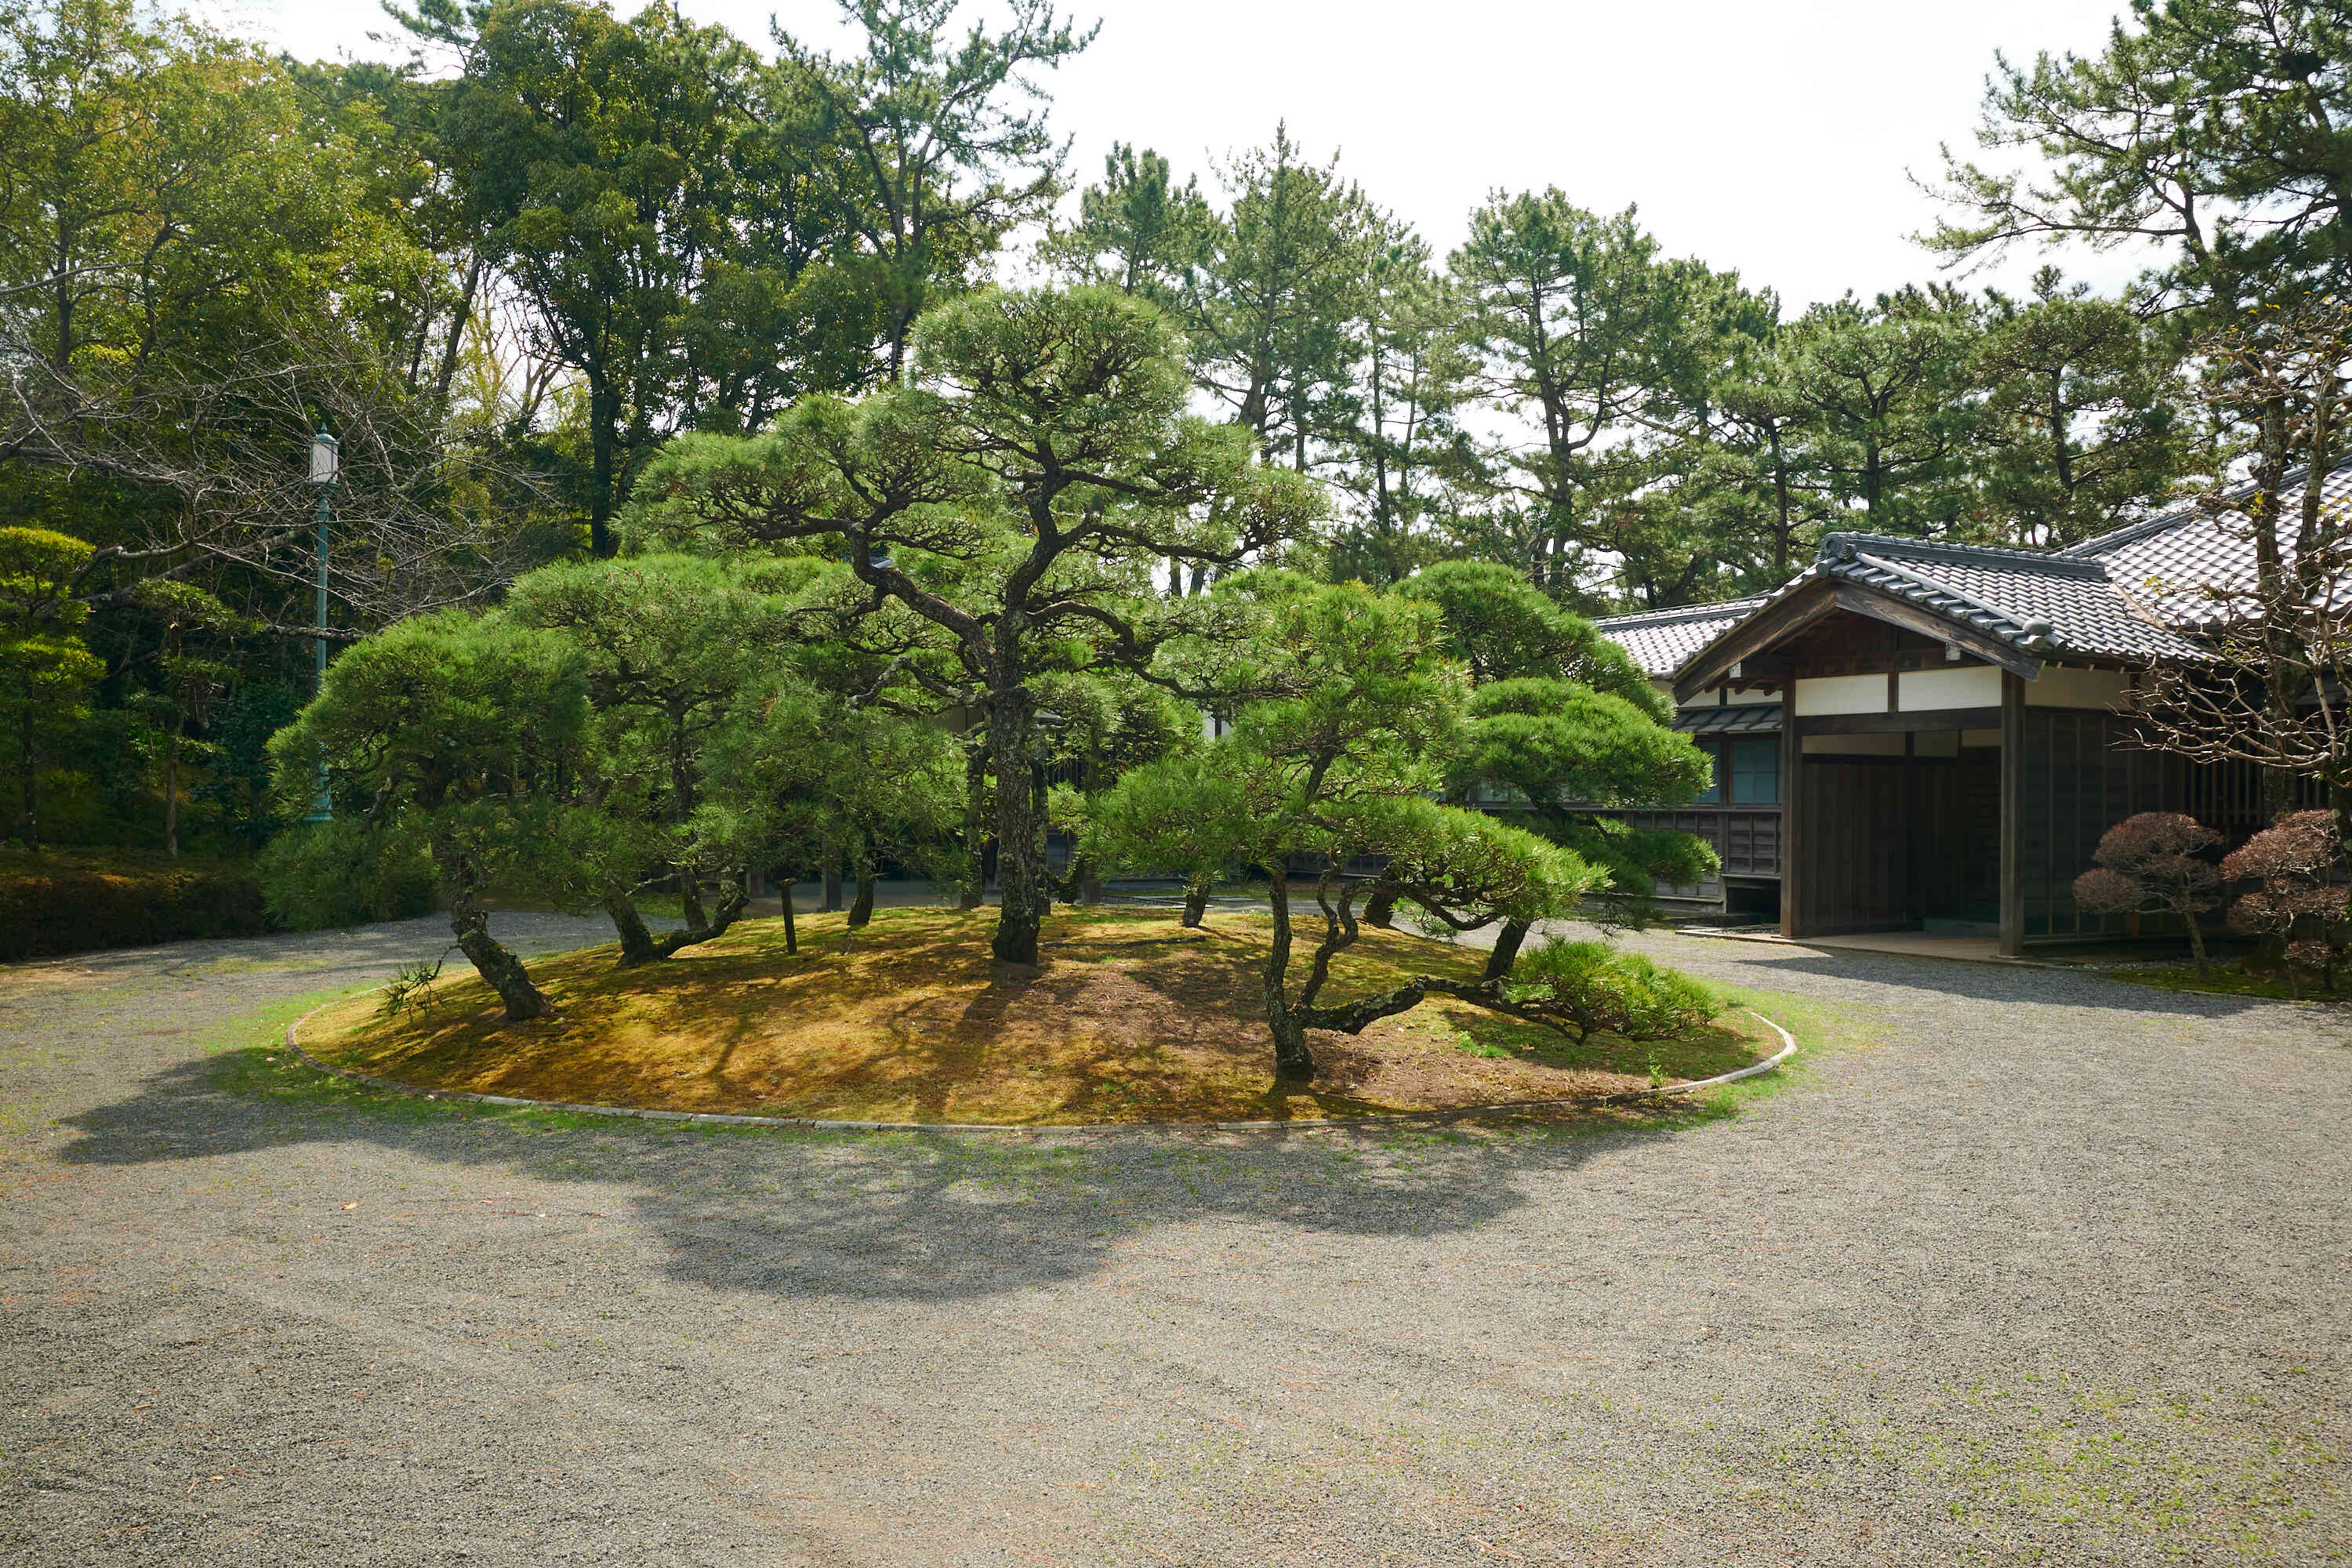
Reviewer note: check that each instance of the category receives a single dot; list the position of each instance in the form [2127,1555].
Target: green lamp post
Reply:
[325,469]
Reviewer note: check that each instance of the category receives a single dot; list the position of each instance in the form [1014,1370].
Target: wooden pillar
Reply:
[2012,812]
[1793,848]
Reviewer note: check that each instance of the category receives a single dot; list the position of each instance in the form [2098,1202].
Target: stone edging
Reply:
[720,1118]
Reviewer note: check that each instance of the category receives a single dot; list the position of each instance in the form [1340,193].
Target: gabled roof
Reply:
[2048,605]
[1661,640]
[2137,594]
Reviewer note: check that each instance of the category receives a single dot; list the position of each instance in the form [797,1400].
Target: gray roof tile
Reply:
[1662,640]
[2170,564]
[2046,605]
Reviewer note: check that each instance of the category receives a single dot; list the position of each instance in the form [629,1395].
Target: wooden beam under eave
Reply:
[1777,622]
[1899,612]
[1711,666]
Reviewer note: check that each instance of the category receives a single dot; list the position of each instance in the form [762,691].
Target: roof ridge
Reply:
[2025,627]
[2183,510]
[1958,554]
[1681,612]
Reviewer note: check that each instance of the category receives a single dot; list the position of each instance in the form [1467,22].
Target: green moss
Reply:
[2220,980]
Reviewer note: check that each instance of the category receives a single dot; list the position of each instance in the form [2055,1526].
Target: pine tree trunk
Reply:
[791,934]
[832,905]
[1507,949]
[1020,851]
[500,969]
[636,941]
[862,908]
[1293,1062]
[1196,904]
[1381,910]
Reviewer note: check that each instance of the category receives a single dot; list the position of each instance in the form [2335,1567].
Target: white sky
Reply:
[1774,138]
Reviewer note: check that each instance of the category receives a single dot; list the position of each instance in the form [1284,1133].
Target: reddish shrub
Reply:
[2298,901]
[2154,864]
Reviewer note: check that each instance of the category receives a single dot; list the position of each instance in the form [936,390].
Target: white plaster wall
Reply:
[1740,697]
[1965,685]
[2078,688]
[1854,745]
[1841,694]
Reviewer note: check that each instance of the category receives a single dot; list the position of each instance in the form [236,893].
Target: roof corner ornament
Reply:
[1846,551]
[2037,634]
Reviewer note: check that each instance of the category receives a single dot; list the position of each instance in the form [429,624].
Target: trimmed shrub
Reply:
[1589,987]
[75,902]
[321,874]
[2154,863]
[2298,904]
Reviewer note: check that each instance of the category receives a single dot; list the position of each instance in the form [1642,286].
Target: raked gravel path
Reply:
[2022,1266]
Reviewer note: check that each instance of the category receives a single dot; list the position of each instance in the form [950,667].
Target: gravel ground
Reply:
[2023,1266]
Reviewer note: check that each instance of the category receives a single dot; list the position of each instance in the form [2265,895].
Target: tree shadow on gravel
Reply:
[870,1216]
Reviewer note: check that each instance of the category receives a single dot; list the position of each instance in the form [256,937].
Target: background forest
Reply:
[514,260]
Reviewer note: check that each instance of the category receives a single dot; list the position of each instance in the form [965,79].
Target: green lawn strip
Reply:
[2220,980]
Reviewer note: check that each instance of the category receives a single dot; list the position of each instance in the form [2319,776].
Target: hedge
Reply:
[72,900]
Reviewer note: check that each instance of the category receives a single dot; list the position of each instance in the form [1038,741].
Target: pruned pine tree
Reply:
[1016,494]
[1561,723]
[457,735]
[1330,769]
[671,649]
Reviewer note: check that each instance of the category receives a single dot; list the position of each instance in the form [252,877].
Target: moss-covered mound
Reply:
[1128,1018]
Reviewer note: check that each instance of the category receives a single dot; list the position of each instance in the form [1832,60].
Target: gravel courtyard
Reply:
[2022,1266]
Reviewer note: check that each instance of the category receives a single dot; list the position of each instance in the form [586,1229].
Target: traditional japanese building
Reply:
[1912,736]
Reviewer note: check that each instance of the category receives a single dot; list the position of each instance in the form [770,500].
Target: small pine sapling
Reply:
[2154,863]
[2294,860]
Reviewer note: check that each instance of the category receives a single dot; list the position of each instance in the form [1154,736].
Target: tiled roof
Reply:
[2138,593]
[2046,605]
[1747,719]
[2166,565]
[1662,640]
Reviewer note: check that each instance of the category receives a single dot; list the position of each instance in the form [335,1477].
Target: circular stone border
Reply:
[722,1119]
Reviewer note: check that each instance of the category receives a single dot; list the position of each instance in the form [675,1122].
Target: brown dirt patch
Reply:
[1128,1018]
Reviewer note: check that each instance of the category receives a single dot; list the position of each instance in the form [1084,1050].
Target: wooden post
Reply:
[2012,812]
[1792,847]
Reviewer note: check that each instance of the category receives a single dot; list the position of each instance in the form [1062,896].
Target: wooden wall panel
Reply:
[1855,831]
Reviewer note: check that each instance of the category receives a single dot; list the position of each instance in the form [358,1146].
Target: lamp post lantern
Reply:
[325,469]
